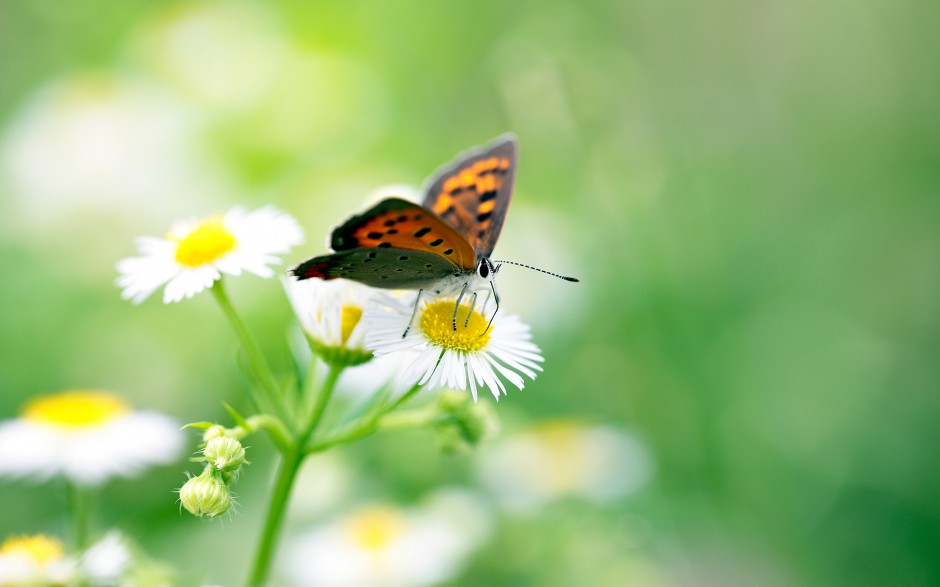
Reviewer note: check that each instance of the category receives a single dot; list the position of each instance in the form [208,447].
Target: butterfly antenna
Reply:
[540,270]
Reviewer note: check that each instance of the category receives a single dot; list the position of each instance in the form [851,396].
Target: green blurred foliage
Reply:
[747,190]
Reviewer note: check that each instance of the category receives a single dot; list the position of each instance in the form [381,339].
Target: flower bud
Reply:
[206,495]
[214,431]
[462,423]
[224,453]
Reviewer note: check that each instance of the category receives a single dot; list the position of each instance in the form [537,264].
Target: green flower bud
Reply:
[214,431]
[206,495]
[463,424]
[224,453]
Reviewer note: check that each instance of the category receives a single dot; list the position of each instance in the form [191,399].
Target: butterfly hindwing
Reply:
[384,267]
[399,224]
[473,193]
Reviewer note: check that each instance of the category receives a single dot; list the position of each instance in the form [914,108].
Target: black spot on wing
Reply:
[422,231]
[436,242]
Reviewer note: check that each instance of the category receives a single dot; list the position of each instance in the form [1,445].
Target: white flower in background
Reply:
[221,56]
[102,141]
[106,561]
[471,356]
[87,437]
[564,458]
[385,546]
[35,560]
[197,252]
[236,64]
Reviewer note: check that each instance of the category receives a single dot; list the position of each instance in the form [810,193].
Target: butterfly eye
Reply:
[484,269]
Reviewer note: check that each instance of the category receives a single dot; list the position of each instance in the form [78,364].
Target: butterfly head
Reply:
[486,270]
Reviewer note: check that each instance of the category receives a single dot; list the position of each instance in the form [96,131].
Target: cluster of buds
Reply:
[208,493]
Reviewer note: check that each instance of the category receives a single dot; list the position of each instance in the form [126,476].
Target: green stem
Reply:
[259,367]
[287,473]
[272,525]
[404,398]
[365,428]
[399,421]
[79,500]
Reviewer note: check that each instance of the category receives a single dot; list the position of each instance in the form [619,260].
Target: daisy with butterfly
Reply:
[441,249]
[450,334]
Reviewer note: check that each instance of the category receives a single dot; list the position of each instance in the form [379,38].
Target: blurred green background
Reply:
[748,192]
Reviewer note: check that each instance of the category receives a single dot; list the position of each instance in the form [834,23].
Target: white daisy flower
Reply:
[196,253]
[470,356]
[330,313]
[87,437]
[385,546]
[35,560]
[564,458]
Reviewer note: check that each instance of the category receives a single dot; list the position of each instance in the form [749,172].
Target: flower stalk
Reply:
[259,366]
[290,464]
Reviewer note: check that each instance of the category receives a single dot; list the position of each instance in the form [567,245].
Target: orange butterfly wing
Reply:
[473,193]
[400,224]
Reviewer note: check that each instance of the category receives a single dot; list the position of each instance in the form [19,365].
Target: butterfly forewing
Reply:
[473,193]
[395,223]
[383,267]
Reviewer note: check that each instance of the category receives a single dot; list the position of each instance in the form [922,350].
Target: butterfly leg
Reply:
[473,302]
[414,312]
[457,304]
[496,299]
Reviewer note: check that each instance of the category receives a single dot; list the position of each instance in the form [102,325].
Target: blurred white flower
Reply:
[470,356]
[35,560]
[86,436]
[105,562]
[105,142]
[222,56]
[564,458]
[385,546]
[196,253]
[235,63]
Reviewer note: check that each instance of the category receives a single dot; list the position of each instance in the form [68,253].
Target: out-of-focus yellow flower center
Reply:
[208,242]
[40,548]
[375,528]
[75,409]
[350,317]
[437,323]
[562,439]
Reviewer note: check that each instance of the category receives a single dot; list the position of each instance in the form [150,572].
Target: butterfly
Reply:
[441,246]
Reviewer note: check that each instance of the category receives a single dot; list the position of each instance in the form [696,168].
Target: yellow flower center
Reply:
[375,528]
[75,409]
[207,243]
[40,548]
[350,317]
[437,323]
